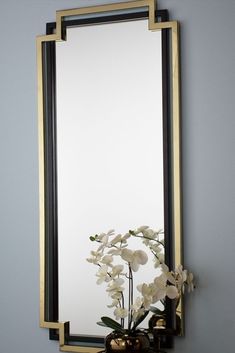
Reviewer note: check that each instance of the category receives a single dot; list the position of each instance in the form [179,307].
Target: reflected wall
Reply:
[109,153]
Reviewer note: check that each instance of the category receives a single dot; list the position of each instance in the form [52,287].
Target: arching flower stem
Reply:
[144,237]
[123,306]
[130,278]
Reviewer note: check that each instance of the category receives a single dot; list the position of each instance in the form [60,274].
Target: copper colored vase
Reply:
[137,342]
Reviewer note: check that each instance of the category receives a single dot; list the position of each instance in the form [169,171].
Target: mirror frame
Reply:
[158,20]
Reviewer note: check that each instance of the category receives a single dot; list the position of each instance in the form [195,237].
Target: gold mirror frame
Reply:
[63,327]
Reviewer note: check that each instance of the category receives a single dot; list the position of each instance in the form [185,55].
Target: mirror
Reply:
[109,153]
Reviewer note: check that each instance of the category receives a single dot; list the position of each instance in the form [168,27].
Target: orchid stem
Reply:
[130,297]
[123,303]
[142,236]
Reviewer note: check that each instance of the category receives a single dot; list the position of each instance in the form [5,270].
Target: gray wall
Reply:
[208,81]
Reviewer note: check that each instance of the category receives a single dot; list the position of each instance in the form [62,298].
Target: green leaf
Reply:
[100,323]
[156,310]
[108,322]
[92,238]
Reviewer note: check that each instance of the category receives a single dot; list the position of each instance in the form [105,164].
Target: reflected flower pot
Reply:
[137,342]
[158,323]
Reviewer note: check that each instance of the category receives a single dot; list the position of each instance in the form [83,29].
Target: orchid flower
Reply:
[116,285]
[103,275]
[134,258]
[120,313]
[168,284]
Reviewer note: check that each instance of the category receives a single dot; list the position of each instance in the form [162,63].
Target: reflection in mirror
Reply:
[109,153]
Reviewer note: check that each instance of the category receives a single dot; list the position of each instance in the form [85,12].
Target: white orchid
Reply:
[167,284]
[103,239]
[115,252]
[160,285]
[107,259]
[180,277]
[147,291]
[150,233]
[120,313]
[126,236]
[134,258]
[116,271]
[116,285]
[172,292]
[141,229]
[138,304]
[163,289]
[114,303]
[156,248]
[137,309]
[103,275]
[190,282]
[96,257]
[116,295]
[117,239]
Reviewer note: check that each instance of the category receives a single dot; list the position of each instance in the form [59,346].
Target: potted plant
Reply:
[117,264]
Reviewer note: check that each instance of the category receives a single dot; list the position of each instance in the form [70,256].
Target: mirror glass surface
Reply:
[109,154]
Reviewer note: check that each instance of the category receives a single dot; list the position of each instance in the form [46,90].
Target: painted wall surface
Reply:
[208,138]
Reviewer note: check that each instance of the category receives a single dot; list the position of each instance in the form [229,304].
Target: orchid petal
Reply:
[127,255]
[172,292]
[141,257]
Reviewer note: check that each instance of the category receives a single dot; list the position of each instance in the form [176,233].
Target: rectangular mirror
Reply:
[109,154]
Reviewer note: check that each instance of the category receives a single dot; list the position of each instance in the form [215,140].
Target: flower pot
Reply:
[157,321]
[137,342]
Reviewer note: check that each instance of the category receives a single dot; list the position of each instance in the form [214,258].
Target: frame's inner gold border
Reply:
[176,178]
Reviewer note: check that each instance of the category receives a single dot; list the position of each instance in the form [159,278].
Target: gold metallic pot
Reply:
[137,342]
